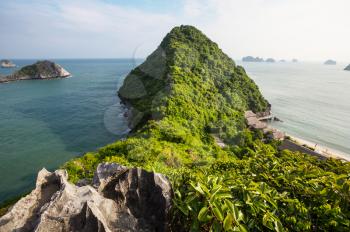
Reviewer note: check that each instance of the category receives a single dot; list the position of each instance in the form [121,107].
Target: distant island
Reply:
[294,60]
[330,62]
[39,71]
[283,61]
[7,64]
[252,59]
[347,68]
[270,60]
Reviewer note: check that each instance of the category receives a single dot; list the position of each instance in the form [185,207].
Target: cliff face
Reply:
[185,75]
[40,70]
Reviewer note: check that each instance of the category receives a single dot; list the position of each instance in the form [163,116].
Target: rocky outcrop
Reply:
[252,59]
[347,68]
[330,62]
[121,199]
[7,64]
[40,70]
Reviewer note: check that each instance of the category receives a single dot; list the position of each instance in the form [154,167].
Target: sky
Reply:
[309,30]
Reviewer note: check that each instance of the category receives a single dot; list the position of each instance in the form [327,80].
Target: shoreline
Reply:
[322,150]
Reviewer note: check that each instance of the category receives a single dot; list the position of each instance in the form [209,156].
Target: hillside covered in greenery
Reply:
[185,97]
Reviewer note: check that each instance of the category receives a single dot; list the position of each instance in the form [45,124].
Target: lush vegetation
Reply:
[194,93]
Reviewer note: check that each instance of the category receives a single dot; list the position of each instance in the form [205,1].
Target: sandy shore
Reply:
[320,149]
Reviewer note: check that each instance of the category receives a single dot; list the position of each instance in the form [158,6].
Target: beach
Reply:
[320,149]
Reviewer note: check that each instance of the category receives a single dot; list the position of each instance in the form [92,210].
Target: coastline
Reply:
[322,150]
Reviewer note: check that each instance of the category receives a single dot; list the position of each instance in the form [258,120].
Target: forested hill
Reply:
[187,94]
[189,77]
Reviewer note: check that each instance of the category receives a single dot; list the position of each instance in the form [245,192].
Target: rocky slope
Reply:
[347,68]
[119,199]
[40,70]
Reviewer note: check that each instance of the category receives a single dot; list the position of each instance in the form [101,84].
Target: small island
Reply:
[330,62]
[347,68]
[7,64]
[41,70]
[295,60]
[252,59]
[270,60]
[282,61]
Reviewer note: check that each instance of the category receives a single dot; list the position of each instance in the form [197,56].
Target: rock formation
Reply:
[347,68]
[7,64]
[40,70]
[252,59]
[330,62]
[122,199]
[270,60]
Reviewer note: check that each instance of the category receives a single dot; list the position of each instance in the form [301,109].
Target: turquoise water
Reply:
[45,123]
[312,99]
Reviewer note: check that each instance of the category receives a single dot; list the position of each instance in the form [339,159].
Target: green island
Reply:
[182,100]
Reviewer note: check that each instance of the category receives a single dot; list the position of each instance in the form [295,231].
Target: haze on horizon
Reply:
[307,30]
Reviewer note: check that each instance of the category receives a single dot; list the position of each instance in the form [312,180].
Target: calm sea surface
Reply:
[45,123]
[312,99]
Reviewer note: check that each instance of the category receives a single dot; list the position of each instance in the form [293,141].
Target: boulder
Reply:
[123,200]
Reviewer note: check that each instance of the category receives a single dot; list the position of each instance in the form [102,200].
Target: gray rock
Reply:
[347,68]
[330,62]
[270,60]
[106,170]
[40,70]
[7,64]
[125,200]
[252,59]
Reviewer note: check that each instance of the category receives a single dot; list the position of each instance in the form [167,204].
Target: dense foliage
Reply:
[185,96]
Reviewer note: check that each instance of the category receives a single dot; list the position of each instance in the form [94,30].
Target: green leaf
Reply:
[218,214]
[198,188]
[202,215]
[242,228]
[278,226]
[228,222]
[216,227]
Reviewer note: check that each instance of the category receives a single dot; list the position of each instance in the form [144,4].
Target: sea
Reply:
[46,123]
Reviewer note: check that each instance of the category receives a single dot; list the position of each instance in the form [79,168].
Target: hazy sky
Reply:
[283,29]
